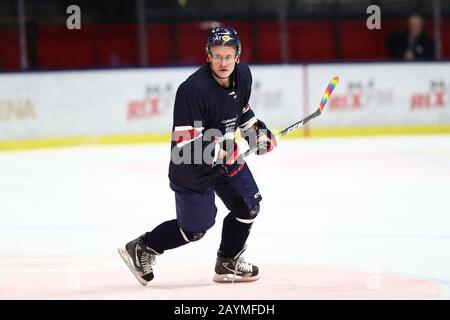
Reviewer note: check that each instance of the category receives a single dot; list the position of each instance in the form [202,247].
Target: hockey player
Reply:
[209,107]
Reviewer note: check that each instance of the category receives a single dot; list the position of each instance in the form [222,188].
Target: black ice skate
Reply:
[139,258]
[234,269]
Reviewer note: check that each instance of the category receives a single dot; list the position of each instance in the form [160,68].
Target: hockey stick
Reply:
[333,83]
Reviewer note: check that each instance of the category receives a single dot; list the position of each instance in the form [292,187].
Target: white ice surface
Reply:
[375,205]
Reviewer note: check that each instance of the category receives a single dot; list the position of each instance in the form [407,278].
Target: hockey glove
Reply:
[261,138]
[229,158]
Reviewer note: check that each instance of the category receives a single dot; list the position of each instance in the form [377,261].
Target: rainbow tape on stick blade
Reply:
[333,83]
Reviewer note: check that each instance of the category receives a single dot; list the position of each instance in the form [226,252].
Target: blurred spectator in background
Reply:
[412,43]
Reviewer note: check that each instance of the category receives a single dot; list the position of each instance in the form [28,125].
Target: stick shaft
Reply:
[288,130]
[331,85]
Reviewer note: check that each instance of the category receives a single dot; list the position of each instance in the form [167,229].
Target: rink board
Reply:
[50,109]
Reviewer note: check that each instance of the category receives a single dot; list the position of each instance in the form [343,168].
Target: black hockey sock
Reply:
[234,236]
[165,236]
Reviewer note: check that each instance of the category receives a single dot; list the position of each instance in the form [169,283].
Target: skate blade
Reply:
[124,254]
[229,278]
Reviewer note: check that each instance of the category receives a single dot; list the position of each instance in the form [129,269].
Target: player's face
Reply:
[222,60]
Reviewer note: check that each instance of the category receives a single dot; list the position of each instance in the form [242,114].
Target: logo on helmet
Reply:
[226,38]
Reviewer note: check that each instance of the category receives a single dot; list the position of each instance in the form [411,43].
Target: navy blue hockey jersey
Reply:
[204,113]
